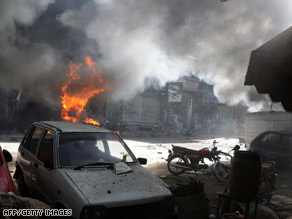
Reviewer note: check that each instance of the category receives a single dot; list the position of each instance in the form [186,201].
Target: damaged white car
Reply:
[89,170]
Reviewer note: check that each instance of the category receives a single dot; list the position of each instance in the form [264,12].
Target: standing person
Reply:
[195,121]
[175,121]
[208,125]
[164,117]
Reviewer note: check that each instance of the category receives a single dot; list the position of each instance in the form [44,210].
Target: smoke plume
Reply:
[131,40]
[24,65]
[168,38]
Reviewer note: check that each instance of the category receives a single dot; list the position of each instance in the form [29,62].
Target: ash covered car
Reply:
[90,170]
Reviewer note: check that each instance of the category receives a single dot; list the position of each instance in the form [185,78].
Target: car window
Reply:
[117,151]
[27,137]
[33,142]
[46,147]
[264,138]
[83,148]
[286,140]
[273,138]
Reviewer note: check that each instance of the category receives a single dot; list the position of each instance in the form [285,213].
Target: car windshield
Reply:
[77,149]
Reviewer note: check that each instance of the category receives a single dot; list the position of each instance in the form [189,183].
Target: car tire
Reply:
[21,186]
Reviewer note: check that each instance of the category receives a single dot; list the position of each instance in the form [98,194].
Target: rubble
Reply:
[191,200]
[192,188]
[16,202]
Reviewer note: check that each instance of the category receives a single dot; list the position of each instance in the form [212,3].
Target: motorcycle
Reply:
[181,159]
[220,170]
[268,182]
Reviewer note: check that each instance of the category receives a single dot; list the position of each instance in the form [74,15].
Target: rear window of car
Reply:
[286,140]
[271,138]
[46,147]
[33,142]
[25,141]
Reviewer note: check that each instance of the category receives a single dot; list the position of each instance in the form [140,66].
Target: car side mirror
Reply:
[7,156]
[142,161]
[48,165]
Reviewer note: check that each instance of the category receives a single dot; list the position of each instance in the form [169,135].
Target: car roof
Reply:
[72,127]
[279,132]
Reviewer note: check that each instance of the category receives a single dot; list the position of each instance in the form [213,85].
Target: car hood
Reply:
[103,186]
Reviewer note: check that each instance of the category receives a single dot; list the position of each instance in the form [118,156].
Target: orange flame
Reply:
[89,62]
[91,121]
[76,91]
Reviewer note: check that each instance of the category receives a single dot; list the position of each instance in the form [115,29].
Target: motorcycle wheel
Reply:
[265,192]
[220,171]
[176,159]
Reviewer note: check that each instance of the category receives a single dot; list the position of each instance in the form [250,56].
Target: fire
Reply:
[89,62]
[91,121]
[77,90]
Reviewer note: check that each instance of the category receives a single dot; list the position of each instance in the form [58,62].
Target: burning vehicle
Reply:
[90,170]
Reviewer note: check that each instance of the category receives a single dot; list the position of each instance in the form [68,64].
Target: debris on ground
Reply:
[192,188]
[191,200]
[12,201]
[16,202]
[282,205]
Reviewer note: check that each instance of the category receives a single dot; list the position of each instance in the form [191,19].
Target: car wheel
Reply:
[21,186]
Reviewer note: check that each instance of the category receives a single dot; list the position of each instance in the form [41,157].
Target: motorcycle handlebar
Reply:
[224,153]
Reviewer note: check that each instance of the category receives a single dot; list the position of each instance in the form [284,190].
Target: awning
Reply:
[270,69]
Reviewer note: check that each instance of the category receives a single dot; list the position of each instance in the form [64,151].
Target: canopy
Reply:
[270,69]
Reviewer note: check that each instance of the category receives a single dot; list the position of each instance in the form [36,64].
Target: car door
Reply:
[43,168]
[271,147]
[28,152]
[286,148]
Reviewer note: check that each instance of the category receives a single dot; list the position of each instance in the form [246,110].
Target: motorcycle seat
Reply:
[185,150]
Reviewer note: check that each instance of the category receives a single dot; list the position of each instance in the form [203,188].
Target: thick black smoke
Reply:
[167,38]
[132,40]
[24,64]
